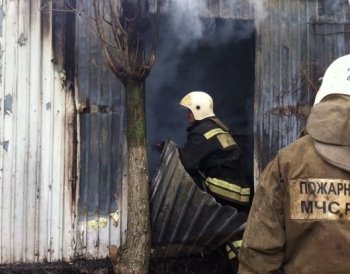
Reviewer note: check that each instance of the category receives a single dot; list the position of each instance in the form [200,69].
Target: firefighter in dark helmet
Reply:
[300,217]
[212,157]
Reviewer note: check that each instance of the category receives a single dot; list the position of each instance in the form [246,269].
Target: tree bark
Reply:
[129,21]
[134,255]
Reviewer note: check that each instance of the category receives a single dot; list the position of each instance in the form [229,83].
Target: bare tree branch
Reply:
[121,26]
[115,65]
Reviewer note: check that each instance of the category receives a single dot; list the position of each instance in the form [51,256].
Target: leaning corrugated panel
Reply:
[185,219]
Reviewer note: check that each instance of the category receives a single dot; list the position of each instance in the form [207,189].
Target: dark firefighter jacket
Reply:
[211,150]
[300,217]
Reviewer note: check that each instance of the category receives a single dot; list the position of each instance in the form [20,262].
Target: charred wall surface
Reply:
[100,104]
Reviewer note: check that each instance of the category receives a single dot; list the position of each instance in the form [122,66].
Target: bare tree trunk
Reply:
[134,256]
[128,21]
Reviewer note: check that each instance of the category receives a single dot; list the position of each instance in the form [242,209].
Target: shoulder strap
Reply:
[219,123]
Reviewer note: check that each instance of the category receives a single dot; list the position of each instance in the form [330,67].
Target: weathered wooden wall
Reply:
[295,43]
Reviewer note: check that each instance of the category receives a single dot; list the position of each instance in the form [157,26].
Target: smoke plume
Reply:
[186,20]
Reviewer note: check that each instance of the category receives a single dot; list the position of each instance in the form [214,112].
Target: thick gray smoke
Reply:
[260,10]
[192,20]
[186,20]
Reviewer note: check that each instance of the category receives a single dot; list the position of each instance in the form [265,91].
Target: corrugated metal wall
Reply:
[296,41]
[44,215]
[100,100]
[37,205]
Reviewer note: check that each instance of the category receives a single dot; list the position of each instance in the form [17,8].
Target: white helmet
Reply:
[336,79]
[200,103]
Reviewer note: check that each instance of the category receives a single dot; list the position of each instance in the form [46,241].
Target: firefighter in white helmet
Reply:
[212,151]
[300,217]
[212,157]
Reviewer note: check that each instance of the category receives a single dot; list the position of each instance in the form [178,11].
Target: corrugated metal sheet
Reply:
[185,219]
[229,9]
[100,100]
[296,41]
[37,205]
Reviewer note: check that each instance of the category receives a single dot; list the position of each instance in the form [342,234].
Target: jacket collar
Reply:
[329,121]
[329,126]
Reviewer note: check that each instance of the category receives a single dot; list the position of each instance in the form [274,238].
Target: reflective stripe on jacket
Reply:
[236,193]
[232,249]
